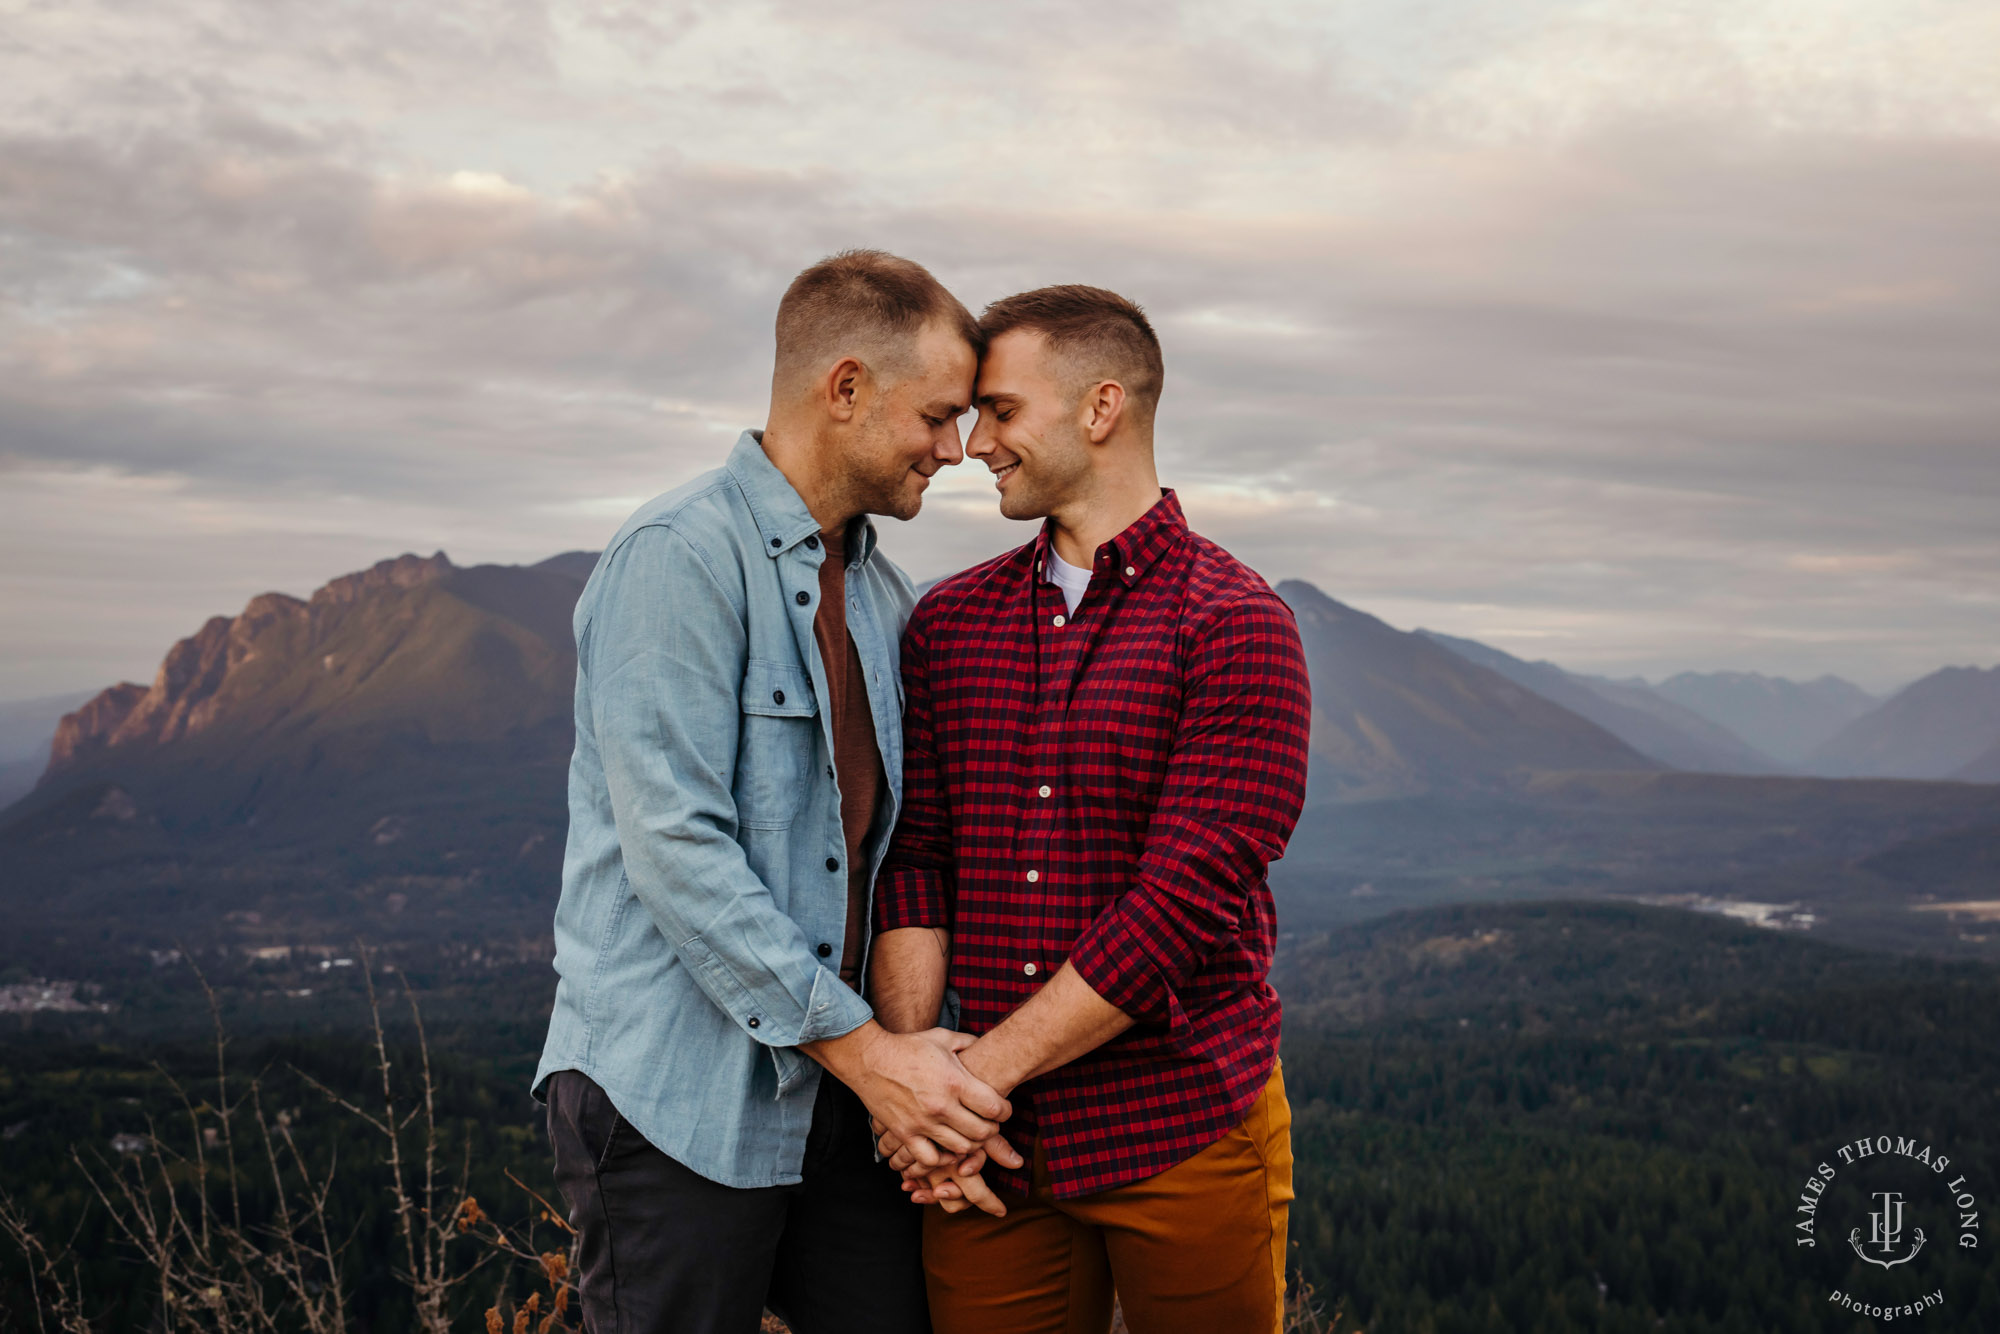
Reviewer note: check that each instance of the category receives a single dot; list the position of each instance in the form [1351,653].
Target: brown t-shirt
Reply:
[855,757]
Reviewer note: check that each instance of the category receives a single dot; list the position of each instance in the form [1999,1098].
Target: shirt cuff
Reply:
[910,896]
[1116,965]
[833,1011]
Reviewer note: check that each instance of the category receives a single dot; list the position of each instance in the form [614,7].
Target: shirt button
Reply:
[753,1021]
[1045,789]
[1033,876]
[777,541]
[777,697]
[813,542]
[833,863]
[1130,571]
[1028,968]
[802,597]
[1059,621]
[825,950]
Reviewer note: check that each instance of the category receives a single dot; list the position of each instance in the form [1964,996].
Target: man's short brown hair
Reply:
[866,303]
[1098,335]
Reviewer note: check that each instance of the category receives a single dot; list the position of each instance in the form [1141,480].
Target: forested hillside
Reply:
[1533,1117]
[1598,1118]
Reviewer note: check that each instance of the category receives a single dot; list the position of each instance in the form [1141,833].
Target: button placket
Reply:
[1059,661]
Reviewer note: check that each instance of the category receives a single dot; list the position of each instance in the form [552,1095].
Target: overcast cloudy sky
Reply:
[1639,336]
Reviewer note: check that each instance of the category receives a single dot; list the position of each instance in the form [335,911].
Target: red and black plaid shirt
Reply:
[1107,788]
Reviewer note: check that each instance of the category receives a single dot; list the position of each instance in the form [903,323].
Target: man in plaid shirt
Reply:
[1106,735]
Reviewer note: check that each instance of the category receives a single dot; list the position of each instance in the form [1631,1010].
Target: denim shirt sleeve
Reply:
[664,656]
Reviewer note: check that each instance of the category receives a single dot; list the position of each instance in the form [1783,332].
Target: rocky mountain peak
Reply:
[83,733]
[405,571]
[184,697]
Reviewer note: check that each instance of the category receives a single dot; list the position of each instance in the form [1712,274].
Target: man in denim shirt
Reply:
[738,767]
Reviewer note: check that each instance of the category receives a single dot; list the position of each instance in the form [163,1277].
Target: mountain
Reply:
[1784,719]
[27,726]
[1985,769]
[394,745]
[1395,712]
[1934,728]
[1652,725]
[411,655]
[386,760]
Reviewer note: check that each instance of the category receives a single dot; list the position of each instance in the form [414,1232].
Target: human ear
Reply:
[843,387]
[1104,405]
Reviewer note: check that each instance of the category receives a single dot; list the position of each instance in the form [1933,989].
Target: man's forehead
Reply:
[1013,365]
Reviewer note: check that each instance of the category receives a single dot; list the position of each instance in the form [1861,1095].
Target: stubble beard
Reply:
[1058,475]
[882,479]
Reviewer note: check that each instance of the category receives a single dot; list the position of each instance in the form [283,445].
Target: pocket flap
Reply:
[776,690]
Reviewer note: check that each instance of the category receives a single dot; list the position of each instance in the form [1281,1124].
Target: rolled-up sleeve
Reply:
[663,670]
[1234,786]
[914,887]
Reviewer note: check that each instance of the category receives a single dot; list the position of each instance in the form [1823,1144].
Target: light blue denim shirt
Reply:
[704,894]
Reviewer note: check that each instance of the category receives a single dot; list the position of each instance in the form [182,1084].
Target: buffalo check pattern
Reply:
[1107,788]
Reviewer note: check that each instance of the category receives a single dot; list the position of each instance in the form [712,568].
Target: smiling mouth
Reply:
[1001,474]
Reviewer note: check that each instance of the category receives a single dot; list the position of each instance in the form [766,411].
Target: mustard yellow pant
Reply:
[1197,1249]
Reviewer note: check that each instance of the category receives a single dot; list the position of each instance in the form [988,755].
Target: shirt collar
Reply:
[1128,555]
[782,517]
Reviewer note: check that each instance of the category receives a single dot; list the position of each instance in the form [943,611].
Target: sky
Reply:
[1639,337]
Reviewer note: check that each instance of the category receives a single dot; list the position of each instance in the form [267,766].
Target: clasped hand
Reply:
[946,1174]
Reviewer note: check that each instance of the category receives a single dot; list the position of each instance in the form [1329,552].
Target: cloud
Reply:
[1645,339]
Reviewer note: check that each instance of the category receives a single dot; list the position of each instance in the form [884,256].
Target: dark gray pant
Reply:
[665,1250]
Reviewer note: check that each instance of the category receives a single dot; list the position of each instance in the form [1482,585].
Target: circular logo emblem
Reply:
[1890,1225]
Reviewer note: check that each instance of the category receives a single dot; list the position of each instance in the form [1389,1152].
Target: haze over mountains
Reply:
[1670,733]
[1941,726]
[1945,726]
[1786,720]
[27,726]
[392,751]
[1401,718]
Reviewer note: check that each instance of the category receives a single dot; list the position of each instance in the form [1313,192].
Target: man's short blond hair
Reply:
[867,304]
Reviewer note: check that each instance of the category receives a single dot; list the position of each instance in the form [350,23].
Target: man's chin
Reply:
[1020,507]
[903,504]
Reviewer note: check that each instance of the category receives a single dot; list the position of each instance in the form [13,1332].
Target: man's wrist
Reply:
[847,1054]
[989,1061]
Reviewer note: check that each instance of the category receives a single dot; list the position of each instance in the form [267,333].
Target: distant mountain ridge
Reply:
[27,726]
[1652,725]
[416,652]
[1943,726]
[1784,719]
[1985,769]
[387,758]
[379,677]
[1395,712]
[190,692]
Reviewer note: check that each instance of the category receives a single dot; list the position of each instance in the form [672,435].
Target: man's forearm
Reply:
[907,976]
[1056,1025]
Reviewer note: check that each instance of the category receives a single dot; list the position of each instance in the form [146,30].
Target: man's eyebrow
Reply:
[949,409]
[994,400]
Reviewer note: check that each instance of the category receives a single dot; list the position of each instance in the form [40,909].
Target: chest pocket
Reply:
[776,746]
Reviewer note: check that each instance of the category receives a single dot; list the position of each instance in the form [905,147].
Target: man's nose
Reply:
[948,448]
[980,443]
